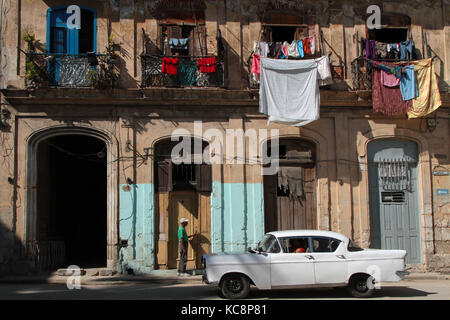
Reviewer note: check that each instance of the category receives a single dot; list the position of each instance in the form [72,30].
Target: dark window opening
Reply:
[281,34]
[389,35]
[183,177]
[86,33]
[178,177]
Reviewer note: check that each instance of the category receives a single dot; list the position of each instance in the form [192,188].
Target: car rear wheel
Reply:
[361,286]
[235,287]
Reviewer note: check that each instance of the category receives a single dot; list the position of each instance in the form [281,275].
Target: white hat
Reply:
[183,220]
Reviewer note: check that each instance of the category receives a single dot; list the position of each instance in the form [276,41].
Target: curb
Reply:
[427,276]
[102,281]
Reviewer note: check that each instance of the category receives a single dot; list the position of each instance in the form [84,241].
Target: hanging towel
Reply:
[301,53]
[389,80]
[277,50]
[429,98]
[186,73]
[393,50]
[307,46]
[406,50]
[263,49]
[391,68]
[170,66]
[179,44]
[207,65]
[284,50]
[380,50]
[324,70]
[271,53]
[387,100]
[291,179]
[408,85]
[289,91]
[370,49]
[312,44]
[256,64]
[293,50]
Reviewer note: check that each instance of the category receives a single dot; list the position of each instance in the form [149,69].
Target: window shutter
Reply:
[203,178]
[199,40]
[164,176]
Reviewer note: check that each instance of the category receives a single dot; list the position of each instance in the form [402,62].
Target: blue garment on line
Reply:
[300,49]
[180,44]
[408,85]
[406,47]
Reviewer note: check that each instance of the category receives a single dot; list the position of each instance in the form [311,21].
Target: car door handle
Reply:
[309,257]
[341,256]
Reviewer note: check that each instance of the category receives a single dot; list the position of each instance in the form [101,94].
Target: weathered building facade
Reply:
[87,176]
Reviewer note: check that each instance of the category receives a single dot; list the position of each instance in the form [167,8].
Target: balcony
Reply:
[189,77]
[73,71]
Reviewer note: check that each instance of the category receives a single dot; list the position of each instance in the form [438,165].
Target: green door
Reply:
[394,214]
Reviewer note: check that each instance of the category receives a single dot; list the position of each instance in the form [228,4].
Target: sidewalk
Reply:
[158,276]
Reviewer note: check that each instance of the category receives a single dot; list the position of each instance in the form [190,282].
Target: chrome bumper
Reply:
[402,274]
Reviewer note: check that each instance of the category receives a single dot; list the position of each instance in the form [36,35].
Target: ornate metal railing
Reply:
[361,74]
[81,70]
[48,255]
[188,73]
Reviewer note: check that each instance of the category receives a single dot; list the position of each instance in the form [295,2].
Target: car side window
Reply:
[295,245]
[325,244]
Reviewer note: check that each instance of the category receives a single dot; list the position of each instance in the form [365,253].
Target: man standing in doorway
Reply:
[183,242]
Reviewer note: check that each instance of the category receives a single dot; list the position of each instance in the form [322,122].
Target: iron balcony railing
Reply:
[362,72]
[63,70]
[188,74]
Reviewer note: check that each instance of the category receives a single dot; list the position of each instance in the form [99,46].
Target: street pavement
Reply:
[165,288]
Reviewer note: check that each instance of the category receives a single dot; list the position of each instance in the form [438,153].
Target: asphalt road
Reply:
[194,290]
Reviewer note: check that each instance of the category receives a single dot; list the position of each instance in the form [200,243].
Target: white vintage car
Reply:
[304,258]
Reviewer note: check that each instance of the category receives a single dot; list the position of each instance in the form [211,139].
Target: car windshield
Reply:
[266,243]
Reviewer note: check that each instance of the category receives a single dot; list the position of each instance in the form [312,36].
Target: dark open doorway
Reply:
[72,201]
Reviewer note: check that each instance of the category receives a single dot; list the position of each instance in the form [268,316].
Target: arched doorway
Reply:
[182,191]
[71,202]
[290,194]
[48,169]
[393,188]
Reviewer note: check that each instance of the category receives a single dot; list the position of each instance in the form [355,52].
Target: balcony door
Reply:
[68,45]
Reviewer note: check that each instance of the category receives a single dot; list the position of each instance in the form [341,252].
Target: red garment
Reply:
[207,65]
[307,46]
[170,66]
[256,64]
[387,100]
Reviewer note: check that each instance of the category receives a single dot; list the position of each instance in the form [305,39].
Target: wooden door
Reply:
[284,212]
[182,204]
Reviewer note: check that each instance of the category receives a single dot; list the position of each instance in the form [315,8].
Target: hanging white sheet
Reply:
[289,91]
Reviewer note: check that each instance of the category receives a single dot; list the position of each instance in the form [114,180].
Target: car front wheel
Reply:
[361,286]
[235,287]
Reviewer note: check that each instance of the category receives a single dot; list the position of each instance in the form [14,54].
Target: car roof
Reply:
[309,233]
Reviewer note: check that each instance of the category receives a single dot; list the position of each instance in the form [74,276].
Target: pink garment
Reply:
[256,64]
[284,48]
[389,80]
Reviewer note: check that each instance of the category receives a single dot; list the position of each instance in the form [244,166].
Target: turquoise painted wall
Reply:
[237,216]
[237,222]
[136,224]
